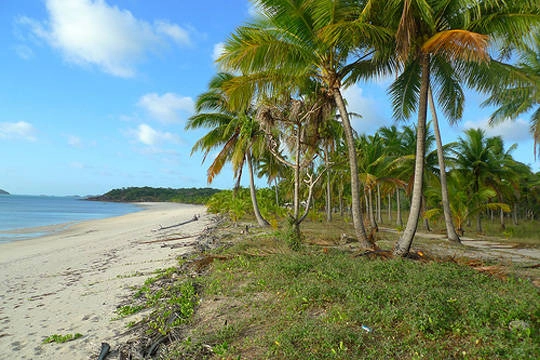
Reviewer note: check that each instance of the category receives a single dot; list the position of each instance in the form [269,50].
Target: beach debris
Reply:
[194,218]
[366,328]
[105,348]
[518,325]
[170,239]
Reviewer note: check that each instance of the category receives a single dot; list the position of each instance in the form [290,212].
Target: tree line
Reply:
[277,108]
[141,194]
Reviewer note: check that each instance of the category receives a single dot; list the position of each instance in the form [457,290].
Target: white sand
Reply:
[72,281]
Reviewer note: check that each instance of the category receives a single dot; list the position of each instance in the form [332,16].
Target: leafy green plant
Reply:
[60,339]
[127,310]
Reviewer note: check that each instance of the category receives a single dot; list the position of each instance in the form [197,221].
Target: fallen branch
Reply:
[170,239]
[195,218]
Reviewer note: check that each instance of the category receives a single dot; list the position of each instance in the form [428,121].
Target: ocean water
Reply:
[25,216]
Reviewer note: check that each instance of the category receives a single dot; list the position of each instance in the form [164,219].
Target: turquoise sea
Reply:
[20,215]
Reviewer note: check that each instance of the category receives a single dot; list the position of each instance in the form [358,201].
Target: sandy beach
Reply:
[73,280]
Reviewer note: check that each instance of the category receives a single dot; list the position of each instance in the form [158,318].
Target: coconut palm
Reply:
[465,205]
[375,170]
[521,94]
[478,159]
[331,134]
[435,40]
[234,133]
[298,40]
[449,223]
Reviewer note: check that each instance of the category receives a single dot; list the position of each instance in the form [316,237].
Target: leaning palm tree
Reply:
[451,232]
[434,40]
[234,133]
[294,41]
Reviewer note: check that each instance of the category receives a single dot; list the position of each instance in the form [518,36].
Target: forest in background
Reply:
[146,193]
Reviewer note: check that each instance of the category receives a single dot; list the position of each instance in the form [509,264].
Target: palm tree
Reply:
[299,40]
[477,162]
[434,40]
[235,133]
[299,122]
[521,93]
[464,204]
[273,170]
[375,169]
[331,135]
[450,229]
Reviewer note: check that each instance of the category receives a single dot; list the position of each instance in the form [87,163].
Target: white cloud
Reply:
[167,107]
[175,32]
[89,32]
[254,11]
[512,131]
[17,130]
[218,50]
[372,116]
[149,136]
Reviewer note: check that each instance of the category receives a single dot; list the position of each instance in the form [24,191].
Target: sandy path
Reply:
[72,281]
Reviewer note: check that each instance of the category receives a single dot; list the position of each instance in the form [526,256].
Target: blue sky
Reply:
[95,94]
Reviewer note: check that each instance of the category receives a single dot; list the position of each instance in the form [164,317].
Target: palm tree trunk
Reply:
[296,200]
[276,187]
[340,195]
[404,243]
[252,191]
[379,216]
[389,208]
[479,223]
[503,226]
[369,205]
[450,229]
[426,220]
[328,187]
[399,219]
[358,221]
[515,214]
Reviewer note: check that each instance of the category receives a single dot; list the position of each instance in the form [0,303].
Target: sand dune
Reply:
[72,281]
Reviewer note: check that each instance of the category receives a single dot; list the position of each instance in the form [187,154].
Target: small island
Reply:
[3,192]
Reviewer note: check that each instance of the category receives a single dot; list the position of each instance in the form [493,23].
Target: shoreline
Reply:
[39,231]
[71,281]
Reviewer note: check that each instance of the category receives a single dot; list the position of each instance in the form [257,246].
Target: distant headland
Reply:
[138,194]
[3,192]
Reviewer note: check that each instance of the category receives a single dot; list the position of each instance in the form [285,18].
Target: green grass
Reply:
[314,304]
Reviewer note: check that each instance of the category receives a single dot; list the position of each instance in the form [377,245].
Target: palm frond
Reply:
[448,88]
[458,44]
[404,91]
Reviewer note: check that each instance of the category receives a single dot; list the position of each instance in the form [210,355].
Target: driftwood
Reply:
[171,239]
[154,346]
[195,218]
[104,351]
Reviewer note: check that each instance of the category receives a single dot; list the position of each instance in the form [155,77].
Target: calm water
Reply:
[23,211]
